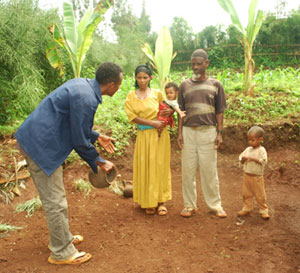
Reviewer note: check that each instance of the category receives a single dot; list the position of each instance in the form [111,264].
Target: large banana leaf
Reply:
[229,8]
[52,52]
[252,30]
[255,19]
[70,28]
[149,53]
[87,27]
[77,39]
[163,56]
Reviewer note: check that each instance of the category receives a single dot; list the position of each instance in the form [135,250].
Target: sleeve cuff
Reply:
[94,165]
[94,136]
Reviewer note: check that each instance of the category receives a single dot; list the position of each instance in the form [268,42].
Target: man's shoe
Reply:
[243,213]
[187,212]
[221,213]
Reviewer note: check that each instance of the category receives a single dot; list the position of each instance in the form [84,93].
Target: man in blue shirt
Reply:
[62,122]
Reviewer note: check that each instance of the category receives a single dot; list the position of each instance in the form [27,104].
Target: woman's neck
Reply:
[145,89]
[142,93]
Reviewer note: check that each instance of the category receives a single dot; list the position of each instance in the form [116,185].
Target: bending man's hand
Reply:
[107,143]
[106,167]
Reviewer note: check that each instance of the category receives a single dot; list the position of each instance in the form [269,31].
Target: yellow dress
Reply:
[151,164]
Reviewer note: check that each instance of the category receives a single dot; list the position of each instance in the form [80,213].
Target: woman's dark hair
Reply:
[172,84]
[108,72]
[145,69]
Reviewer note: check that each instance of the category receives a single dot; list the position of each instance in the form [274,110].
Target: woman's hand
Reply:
[167,112]
[158,124]
[107,143]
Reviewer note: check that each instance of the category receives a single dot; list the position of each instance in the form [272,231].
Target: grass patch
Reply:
[83,186]
[6,228]
[30,206]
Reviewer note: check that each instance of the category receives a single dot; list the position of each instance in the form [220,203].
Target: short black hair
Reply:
[257,131]
[172,84]
[108,72]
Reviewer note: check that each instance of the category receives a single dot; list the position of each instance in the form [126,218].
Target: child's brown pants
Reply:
[254,186]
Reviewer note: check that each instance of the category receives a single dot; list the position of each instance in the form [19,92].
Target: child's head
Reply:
[171,90]
[255,136]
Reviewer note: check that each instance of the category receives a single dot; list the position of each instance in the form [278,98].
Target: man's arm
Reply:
[181,105]
[179,134]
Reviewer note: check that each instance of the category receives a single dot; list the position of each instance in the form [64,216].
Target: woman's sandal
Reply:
[77,258]
[187,212]
[162,210]
[150,211]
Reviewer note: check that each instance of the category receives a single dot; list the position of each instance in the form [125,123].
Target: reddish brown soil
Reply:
[122,238]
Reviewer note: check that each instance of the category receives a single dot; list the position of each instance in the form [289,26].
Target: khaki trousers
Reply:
[254,186]
[199,151]
[52,194]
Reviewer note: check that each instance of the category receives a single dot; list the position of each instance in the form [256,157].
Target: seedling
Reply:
[30,206]
[83,186]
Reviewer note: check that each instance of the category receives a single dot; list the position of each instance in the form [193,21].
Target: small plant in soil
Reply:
[30,206]
[83,186]
[5,228]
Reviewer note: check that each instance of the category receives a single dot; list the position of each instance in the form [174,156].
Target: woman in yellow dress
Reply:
[151,164]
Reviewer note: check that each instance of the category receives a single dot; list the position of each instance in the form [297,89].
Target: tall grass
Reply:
[26,77]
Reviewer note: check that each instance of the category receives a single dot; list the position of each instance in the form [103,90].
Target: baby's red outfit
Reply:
[168,121]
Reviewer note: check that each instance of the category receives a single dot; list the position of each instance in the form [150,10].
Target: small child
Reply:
[254,159]
[171,90]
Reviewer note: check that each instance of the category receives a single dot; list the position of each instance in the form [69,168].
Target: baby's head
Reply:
[255,136]
[171,90]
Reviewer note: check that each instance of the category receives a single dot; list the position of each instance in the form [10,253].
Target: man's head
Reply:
[109,76]
[200,62]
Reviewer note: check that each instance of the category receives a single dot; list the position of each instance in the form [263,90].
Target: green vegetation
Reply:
[30,206]
[6,228]
[26,76]
[78,38]
[249,33]
[163,56]
[83,186]
[277,97]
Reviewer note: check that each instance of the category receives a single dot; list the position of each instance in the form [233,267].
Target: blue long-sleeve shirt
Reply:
[62,122]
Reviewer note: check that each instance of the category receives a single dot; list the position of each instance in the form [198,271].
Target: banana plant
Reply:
[75,39]
[163,56]
[255,20]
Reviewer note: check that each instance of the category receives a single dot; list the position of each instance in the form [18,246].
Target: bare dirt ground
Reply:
[122,238]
